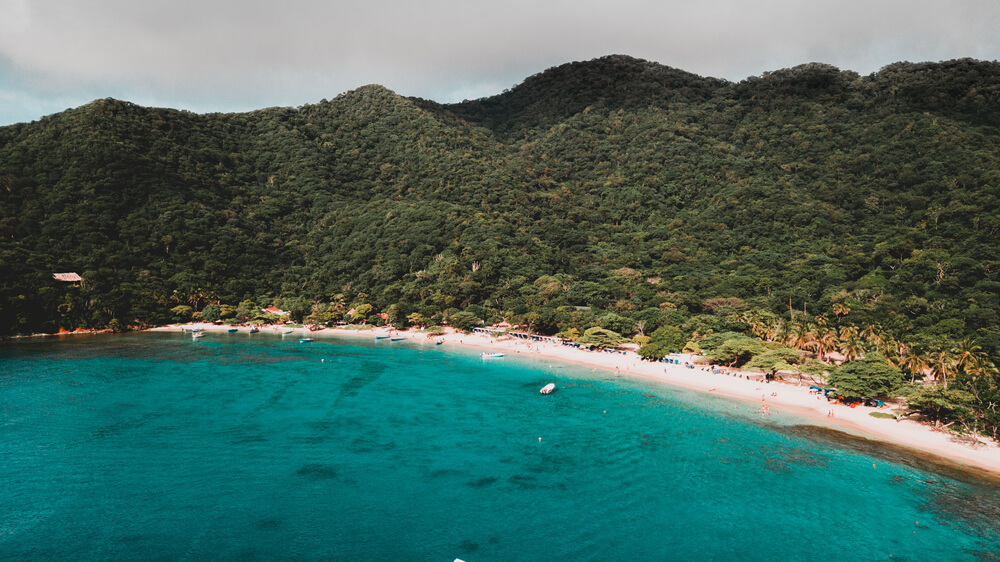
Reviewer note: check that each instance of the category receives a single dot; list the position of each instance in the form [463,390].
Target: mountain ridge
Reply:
[582,170]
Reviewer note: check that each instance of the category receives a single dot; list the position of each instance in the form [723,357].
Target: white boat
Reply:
[197,335]
[439,341]
[547,389]
[492,355]
[286,330]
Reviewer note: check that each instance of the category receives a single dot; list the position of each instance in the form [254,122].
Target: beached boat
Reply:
[305,340]
[381,337]
[254,330]
[233,330]
[547,389]
[491,355]
[286,330]
[439,341]
[397,339]
[197,335]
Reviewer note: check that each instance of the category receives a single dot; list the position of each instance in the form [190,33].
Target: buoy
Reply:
[539,439]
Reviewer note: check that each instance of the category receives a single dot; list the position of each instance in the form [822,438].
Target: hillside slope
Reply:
[616,184]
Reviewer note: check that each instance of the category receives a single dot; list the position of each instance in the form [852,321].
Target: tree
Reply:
[670,338]
[600,337]
[825,342]
[736,351]
[298,308]
[211,313]
[183,312]
[969,357]
[616,323]
[464,321]
[871,376]
[851,347]
[944,406]
[942,366]
[774,360]
[247,310]
[416,319]
[361,312]
[652,352]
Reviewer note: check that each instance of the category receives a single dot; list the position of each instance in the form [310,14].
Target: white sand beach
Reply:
[772,399]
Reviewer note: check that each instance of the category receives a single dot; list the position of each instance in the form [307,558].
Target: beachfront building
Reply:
[67,277]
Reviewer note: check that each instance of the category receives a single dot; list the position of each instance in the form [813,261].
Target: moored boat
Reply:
[305,340]
[547,389]
[491,355]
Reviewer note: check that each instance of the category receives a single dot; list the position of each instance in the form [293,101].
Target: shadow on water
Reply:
[367,373]
[913,458]
[317,471]
[957,494]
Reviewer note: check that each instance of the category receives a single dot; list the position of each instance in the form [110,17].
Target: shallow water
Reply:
[237,446]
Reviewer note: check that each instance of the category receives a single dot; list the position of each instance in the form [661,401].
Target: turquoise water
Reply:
[157,447]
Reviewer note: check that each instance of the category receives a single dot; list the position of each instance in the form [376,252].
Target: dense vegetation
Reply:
[615,193]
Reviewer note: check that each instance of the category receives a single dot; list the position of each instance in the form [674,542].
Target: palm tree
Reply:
[781,332]
[755,321]
[841,309]
[873,335]
[896,352]
[824,343]
[916,364]
[852,348]
[942,365]
[969,357]
[801,336]
[848,332]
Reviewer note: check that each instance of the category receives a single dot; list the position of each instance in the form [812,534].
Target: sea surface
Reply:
[155,446]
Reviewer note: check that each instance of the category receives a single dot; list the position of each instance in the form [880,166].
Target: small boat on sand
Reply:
[381,337]
[491,355]
[547,389]
[397,339]
[254,330]
[439,341]
[232,330]
[286,330]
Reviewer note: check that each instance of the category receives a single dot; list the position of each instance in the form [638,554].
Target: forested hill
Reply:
[646,193]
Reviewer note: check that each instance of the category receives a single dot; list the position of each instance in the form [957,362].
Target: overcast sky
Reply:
[238,55]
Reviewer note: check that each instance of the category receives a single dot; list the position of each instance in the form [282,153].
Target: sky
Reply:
[240,55]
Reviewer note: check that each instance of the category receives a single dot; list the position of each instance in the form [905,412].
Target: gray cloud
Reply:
[228,55]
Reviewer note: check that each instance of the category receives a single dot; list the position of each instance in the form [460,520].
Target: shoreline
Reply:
[774,398]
